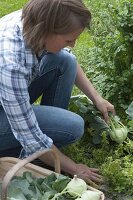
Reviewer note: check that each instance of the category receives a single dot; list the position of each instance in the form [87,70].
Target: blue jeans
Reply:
[54,84]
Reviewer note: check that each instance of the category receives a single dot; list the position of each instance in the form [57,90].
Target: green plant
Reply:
[83,106]
[119,174]
[114,160]
[110,60]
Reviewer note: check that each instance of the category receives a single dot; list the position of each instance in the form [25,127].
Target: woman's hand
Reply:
[104,107]
[89,175]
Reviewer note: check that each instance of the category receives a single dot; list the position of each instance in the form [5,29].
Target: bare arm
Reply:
[84,84]
[67,165]
[90,175]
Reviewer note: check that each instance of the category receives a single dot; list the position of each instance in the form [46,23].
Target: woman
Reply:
[34,63]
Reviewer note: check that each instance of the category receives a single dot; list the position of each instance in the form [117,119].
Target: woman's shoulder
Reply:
[11,19]
[11,16]
[11,25]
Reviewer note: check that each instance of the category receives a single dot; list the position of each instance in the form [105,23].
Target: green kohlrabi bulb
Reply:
[91,195]
[76,186]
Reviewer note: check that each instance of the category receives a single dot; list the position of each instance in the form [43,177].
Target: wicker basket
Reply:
[10,166]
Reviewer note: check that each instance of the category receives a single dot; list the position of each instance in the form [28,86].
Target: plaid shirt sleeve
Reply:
[14,94]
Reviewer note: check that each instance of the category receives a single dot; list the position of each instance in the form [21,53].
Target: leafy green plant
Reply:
[119,174]
[84,107]
[110,60]
[94,122]
[107,155]
[107,56]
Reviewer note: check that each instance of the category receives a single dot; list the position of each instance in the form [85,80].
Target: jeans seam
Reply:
[58,88]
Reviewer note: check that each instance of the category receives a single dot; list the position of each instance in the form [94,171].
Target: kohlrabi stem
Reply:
[75,177]
[114,122]
[122,125]
[65,192]
[71,192]
[112,125]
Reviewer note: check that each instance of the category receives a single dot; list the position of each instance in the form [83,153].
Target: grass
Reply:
[8,6]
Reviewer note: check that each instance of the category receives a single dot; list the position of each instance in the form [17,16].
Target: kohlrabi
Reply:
[118,132]
[91,195]
[76,187]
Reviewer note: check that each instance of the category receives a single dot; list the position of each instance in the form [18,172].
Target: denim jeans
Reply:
[54,84]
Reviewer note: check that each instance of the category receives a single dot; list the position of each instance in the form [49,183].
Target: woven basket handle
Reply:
[9,175]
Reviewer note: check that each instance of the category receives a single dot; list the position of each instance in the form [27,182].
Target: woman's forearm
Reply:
[90,175]
[84,84]
[67,165]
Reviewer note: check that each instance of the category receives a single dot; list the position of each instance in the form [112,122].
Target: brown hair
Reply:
[41,17]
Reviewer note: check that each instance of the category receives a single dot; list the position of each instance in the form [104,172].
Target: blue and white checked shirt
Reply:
[18,67]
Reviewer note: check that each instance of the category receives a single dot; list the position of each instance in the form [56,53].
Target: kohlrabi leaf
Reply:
[130,123]
[116,118]
[20,184]
[129,111]
[47,182]
[96,139]
[28,176]
[48,195]
[97,123]
[60,183]
[16,194]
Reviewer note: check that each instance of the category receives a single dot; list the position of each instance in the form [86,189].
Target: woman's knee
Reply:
[73,130]
[67,61]
[75,126]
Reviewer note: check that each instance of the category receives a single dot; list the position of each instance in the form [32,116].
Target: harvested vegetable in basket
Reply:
[76,186]
[52,187]
[90,195]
